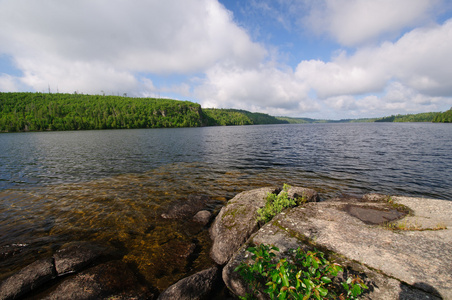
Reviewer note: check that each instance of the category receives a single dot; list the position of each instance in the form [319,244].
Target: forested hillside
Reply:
[445,117]
[38,112]
[422,117]
[238,117]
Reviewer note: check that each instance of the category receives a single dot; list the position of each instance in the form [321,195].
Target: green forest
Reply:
[422,117]
[444,117]
[42,112]
[226,117]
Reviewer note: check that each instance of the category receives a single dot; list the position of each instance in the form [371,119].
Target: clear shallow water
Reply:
[112,186]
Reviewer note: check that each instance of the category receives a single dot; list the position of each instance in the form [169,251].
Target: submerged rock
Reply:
[112,280]
[195,287]
[77,255]
[70,259]
[8,251]
[186,207]
[203,217]
[28,279]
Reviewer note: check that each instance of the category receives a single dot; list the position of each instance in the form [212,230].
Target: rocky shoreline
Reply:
[401,246]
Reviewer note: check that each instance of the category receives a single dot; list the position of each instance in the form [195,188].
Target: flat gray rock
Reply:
[409,264]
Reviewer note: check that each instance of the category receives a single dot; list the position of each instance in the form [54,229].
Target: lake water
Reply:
[112,186]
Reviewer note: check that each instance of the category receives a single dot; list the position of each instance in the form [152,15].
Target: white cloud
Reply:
[353,22]
[265,89]
[93,42]
[117,47]
[420,60]
[340,77]
[9,83]
[78,76]
[410,75]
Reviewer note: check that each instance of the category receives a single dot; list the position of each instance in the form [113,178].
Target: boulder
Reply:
[236,222]
[303,195]
[195,287]
[186,207]
[113,280]
[75,256]
[203,217]
[409,259]
[28,279]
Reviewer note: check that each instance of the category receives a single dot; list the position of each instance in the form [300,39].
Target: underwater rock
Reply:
[195,287]
[77,255]
[203,217]
[113,280]
[186,207]
[28,279]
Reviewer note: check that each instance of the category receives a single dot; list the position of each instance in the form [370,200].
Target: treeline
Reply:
[308,120]
[422,117]
[41,112]
[444,117]
[227,117]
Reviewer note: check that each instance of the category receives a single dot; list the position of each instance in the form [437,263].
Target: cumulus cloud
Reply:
[265,89]
[412,74]
[116,46]
[9,83]
[353,22]
[111,40]
[394,99]
[420,60]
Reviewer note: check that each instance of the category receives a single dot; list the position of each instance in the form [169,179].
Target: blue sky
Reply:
[301,58]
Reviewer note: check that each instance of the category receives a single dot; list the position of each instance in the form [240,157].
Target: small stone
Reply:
[203,217]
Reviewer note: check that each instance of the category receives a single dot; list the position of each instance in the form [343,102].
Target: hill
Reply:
[444,117]
[42,112]
[39,112]
[238,117]
[422,117]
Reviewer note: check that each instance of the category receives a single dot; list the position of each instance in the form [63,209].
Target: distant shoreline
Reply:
[38,112]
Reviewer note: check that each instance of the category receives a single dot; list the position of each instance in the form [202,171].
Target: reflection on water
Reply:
[113,186]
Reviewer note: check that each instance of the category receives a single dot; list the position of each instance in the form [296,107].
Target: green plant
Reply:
[305,275]
[275,204]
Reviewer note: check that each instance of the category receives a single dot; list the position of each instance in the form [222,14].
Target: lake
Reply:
[112,186]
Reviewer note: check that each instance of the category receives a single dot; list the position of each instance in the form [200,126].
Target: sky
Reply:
[323,59]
